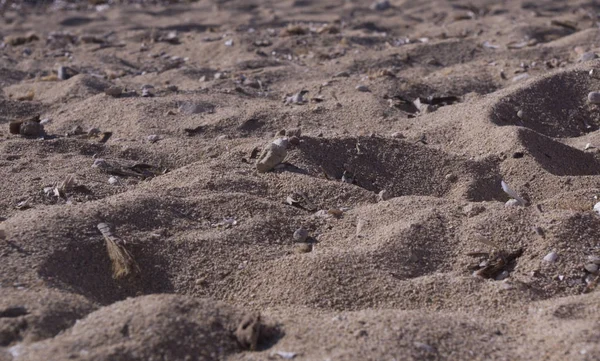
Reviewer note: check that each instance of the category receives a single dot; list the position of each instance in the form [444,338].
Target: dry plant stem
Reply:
[123,264]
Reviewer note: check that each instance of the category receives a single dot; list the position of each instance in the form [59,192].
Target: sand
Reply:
[433,103]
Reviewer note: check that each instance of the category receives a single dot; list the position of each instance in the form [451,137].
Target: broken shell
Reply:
[512,203]
[597,207]
[31,129]
[273,154]
[591,268]
[551,257]
[594,97]
[300,235]
[114,91]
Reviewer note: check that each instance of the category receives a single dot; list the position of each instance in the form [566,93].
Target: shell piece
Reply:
[511,192]
[272,155]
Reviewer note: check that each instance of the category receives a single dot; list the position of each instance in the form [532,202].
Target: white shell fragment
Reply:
[508,190]
[286,355]
[597,207]
[551,257]
[113,180]
[273,154]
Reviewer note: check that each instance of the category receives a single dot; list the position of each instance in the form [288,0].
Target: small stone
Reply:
[362,88]
[451,177]
[502,276]
[31,129]
[113,180]
[342,74]
[594,97]
[471,210]
[587,146]
[272,155]
[295,132]
[303,248]
[397,135]
[383,195]
[93,132]
[594,259]
[153,138]
[590,55]
[380,5]
[114,91]
[520,114]
[300,235]
[229,42]
[551,257]
[591,268]
[297,98]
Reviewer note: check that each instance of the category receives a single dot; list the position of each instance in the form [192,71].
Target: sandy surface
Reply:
[433,103]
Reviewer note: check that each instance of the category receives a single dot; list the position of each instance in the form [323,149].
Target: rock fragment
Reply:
[551,257]
[380,5]
[362,88]
[114,91]
[272,155]
[594,97]
[590,55]
[300,235]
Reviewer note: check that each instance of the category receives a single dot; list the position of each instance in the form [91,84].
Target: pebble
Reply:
[591,268]
[384,196]
[594,97]
[380,5]
[300,235]
[362,88]
[114,91]
[520,114]
[304,248]
[31,129]
[590,55]
[229,42]
[272,155]
[113,180]
[153,138]
[551,257]
[594,259]
[502,276]
[342,74]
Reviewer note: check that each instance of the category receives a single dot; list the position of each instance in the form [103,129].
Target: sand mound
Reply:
[407,116]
